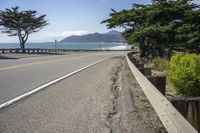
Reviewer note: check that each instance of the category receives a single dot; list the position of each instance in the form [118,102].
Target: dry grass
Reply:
[159,68]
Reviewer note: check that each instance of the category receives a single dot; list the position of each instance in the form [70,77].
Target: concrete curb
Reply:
[173,121]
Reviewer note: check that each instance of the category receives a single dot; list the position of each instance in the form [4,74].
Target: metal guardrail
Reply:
[173,121]
[18,50]
[34,50]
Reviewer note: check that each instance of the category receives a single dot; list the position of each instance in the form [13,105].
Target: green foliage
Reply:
[137,57]
[162,25]
[21,23]
[184,74]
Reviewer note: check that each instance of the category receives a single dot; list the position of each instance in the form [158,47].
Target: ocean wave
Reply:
[122,47]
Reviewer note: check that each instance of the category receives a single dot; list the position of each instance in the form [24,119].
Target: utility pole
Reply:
[55,44]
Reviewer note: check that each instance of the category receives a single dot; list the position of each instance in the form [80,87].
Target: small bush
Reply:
[137,57]
[184,74]
[160,64]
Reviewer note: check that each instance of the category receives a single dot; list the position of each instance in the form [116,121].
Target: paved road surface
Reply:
[104,98]
[20,75]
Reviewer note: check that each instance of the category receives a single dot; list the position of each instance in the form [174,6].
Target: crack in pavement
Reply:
[113,118]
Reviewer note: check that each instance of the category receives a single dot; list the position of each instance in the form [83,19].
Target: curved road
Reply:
[18,76]
[104,98]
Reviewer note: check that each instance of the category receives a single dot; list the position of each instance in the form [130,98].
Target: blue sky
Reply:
[68,17]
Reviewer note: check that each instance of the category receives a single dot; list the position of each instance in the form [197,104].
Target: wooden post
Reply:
[158,82]
[145,71]
[189,108]
[180,103]
[193,114]
[139,65]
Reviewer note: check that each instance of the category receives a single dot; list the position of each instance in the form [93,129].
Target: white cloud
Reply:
[43,36]
[62,34]
[70,33]
[197,1]
[46,36]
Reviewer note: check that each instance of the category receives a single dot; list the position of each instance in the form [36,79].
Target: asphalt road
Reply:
[104,98]
[21,74]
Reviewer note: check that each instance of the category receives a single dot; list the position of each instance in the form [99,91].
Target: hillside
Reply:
[112,36]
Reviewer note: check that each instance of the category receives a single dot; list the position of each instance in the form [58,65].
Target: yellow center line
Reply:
[38,63]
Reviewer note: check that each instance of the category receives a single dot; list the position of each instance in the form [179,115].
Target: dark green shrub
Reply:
[184,74]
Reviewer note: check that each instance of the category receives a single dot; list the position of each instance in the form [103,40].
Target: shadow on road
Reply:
[6,58]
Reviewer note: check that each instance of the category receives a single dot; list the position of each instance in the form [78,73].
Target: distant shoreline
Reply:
[69,45]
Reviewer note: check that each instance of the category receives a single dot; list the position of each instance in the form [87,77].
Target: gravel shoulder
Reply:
[104,98]
[138,116]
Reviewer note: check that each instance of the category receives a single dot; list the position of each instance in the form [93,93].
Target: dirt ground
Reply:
[137,114]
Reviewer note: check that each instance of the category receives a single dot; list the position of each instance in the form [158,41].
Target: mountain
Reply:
[112,36]
[114,32]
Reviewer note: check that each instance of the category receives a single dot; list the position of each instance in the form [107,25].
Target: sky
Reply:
[68,17]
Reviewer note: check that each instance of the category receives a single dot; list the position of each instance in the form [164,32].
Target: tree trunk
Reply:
[142,47]
[22,40]
[23,47]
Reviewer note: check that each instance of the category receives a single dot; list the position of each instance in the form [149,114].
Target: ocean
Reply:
[59,45]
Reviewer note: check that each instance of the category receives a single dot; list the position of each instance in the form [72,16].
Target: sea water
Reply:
[59,45]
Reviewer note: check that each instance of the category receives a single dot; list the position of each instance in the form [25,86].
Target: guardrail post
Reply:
[193,114]
[189,108]
[139,65]
[180,103]
[145,71]
[158,82]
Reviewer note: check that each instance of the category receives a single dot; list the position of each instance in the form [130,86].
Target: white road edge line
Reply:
[48,84]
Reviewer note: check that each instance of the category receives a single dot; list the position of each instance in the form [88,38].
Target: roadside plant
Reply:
[21,23]
[184,74]
[160,64]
